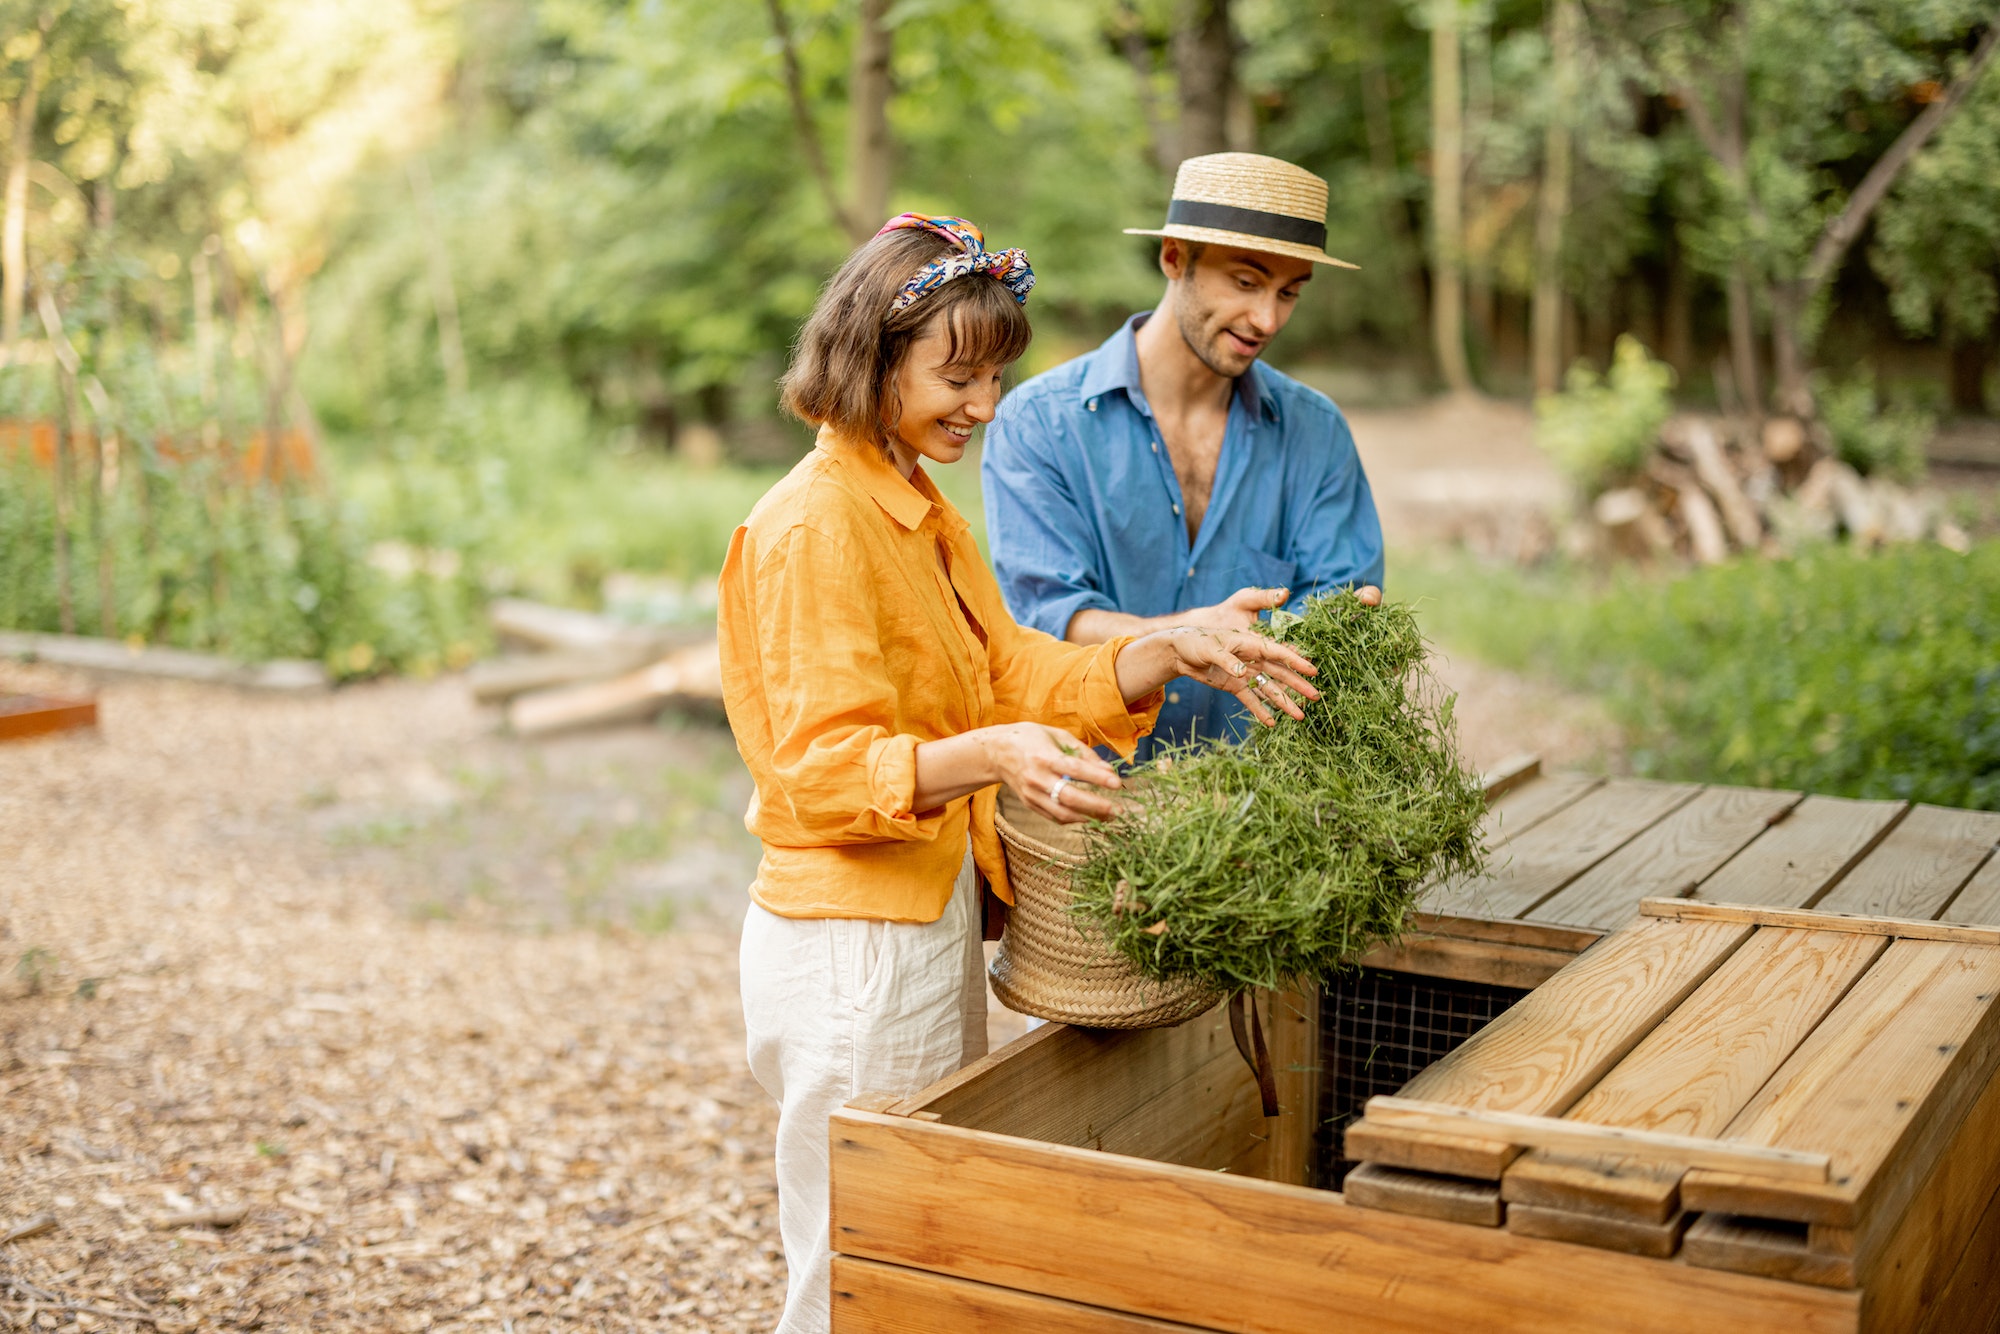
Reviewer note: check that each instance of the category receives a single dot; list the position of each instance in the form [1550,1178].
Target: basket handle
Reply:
[1252,1049]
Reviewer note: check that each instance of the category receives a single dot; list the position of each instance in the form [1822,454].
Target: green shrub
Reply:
[1600,431]
[1838,671]
[1870,440]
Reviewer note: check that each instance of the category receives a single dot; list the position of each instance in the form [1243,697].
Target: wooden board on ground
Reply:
[24,716]
[1795,860]
[497,680]
[1670,858]
[1549,855]
[1553,1045]
[1694,1071]
[1917,869]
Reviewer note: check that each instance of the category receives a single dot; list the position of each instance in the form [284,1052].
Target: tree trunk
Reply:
[1139,55]
[1743,339]
[1205,61]
[14,231]
[868,144]
[1406,252]
[1552,204]
[1969,359]
[1447,210]
[802,117]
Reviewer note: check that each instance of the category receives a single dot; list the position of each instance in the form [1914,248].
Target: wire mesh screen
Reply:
[1377,1030]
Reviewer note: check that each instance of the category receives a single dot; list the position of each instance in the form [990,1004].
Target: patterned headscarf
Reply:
[1009,266]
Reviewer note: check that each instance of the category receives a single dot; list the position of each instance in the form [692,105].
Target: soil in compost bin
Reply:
[1378,1030]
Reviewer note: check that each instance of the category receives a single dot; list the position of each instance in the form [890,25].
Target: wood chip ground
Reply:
[468,1122]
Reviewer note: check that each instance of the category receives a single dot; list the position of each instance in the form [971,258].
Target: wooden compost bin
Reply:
[1094,1181]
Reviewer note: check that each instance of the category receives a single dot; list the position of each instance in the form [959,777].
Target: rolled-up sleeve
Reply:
[806,667]
[1336,538]
[1040,535]
[1041,678]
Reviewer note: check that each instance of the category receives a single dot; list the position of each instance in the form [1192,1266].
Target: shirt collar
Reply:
[903,500]
[1115,365]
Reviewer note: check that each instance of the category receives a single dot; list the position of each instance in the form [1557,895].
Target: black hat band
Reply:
[1248,221]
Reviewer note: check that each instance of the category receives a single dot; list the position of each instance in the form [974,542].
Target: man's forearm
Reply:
[1095,625]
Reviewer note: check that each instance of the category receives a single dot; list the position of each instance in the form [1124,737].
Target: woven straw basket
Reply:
[1049,968]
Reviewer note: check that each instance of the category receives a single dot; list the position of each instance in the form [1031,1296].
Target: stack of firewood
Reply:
[568,669]
[1715,486]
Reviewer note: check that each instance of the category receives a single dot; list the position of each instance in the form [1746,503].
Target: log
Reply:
[691,673]
[497,680]
[1712,469]
[281,675]
[543,626]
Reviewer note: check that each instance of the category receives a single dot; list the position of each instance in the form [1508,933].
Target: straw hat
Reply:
[1251,201]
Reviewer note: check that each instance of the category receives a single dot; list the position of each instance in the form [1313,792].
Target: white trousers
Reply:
[835,1007]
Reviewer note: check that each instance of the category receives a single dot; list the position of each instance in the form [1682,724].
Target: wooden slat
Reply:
[1694,1072]
[1489,962]
[1671,858]
[1550,1047]
[1658,1240]
[1512,772]
[1969,1301]
[1768,1248]
[1508,931]
[870,1297]
[1513,812]
[1879,1087]
[1786,1165]
[1538,862]
[1425,1194]
[1919,866]
[1066,1084]
[1510,813]
[1905,1262]
[1902,928]
[1795,860]
[1291,1022]
[1253,1256]
[1979,901]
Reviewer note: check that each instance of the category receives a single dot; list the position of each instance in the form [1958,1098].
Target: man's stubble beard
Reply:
[1191,318]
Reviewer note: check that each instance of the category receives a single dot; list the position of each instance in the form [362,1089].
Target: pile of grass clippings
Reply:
[1288,855]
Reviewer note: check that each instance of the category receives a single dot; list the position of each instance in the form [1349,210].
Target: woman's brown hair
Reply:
[845,361]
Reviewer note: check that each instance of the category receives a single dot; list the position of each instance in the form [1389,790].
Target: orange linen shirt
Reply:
[858,620]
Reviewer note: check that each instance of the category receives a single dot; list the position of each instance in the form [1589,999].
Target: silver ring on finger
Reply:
[1262,680]
[1056,788]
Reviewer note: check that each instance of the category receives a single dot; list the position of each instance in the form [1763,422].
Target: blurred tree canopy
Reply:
[372,210]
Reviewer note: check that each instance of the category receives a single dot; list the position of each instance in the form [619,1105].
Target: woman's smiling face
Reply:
[942,401]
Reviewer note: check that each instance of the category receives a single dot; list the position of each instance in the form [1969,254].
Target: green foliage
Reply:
[1290,854]
[1600,431]
[1838,671]
[1867,438]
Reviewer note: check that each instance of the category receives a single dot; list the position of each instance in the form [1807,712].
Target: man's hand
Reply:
[1238,611]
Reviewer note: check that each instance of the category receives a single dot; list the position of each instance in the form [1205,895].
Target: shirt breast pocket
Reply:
[1249,567]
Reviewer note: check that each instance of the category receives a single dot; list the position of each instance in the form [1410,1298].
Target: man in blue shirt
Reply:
[1171,478]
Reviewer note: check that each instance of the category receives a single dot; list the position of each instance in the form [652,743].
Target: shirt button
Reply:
[1156,446]
[1092,405]
[1190,571]
[1174,697]
[1177,509]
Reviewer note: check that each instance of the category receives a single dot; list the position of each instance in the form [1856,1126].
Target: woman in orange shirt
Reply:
[879,692]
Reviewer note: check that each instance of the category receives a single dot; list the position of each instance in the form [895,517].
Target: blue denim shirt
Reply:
[1083,509]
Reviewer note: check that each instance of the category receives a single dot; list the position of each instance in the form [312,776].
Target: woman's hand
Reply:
[1255,669]
[1048,767]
